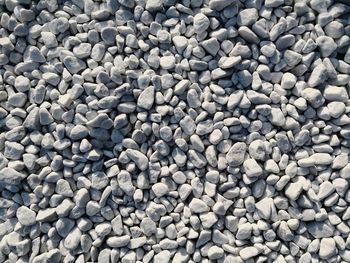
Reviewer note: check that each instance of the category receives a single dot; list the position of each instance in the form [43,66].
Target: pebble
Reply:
[248,252]
[26,216]
[116,242]
[235,156]
[252,168]
[327,248]
[146,98]
[215,252]
[313,96]
[198,206]
[200,23]
[160,189]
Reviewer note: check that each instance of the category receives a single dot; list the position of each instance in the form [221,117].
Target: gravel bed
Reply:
[174,131]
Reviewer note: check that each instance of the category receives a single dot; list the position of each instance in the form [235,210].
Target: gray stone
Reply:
[252,168]
[139,158]
[235,156]
[146,98]
[125,183]
[200,23]
[26,216]
[326,45]
[9,176]
[198,206]
[247,17]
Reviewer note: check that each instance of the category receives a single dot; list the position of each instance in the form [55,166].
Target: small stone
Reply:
[103,229]
[327,248]
[108,35]
[248,253]
[146,98]
[293,190]
[82,50]
[326,188]
[64,226]
[167,62]
[99,180]
[160,189]
[17,99]
[326,45]
[26,216]
[257,150]
[235,156]
[117,242]
[229,62]
[252,168]
[73,64]
[247,17]
[220,4]
[198,206]
[13,150]
[154,5]
[335,93]
[188,125]
[72,240]
[139,158]
[244,231]
[78,132]
[9,176]
[313,96]
[215,252]
[292,58]
[318,76]
[148,227]
[125,183]
[200,23]
[63,188]
[117,225]
[163,256]
[211,45]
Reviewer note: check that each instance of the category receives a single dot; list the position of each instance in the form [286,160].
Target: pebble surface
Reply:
[174,131]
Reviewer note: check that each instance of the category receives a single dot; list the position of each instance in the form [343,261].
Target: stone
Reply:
[146,98]
[327,248]
[200,23]
[117,242]
[248,253]
[198,206]
[26,216]
[235,156]
[9,176]
[252,168]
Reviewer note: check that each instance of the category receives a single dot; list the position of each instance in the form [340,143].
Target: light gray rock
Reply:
[116,242]
[200,23]
[26,216]
[252,168]
[146,98]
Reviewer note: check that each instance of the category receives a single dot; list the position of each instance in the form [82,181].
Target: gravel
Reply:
[174,131]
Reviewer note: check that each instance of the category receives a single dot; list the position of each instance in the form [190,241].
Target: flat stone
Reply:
[235,156]
[117,242]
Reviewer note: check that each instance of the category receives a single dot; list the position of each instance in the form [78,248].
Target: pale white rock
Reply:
[252,168]
[248,252]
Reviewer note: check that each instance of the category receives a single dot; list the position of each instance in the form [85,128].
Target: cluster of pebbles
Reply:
[174,131]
